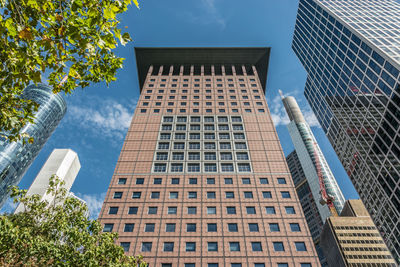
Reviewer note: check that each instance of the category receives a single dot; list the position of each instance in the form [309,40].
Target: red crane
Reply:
[325,197]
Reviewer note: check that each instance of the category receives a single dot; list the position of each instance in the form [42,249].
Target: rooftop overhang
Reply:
[257,56]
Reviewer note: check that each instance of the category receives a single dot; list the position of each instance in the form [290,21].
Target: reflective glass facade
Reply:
[350,51]
[16,158]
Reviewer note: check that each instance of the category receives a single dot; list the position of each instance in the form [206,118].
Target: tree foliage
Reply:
[70,41]
[57,234]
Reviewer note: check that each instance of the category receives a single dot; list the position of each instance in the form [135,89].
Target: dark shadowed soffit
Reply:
[257,56]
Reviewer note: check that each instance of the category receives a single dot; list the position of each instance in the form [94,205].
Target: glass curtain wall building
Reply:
[351,52]
[16,158]
[202,179]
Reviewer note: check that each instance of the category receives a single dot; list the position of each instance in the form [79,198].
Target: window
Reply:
[281,181]
[178,156]
[300,246]
[242,156]
[132,210]
[194,127]
[168,246]
[232,227]
[259,265]
[285,194]
[256,246]
[248,194]
[211,227]
[195,119]
[160,167]
[210,181]
[168,119]
[139,180]
[226,155]
[166,127]
[278,246]
[231,210]
[223,127]
[157,181]
[179,145]
[210,156]
[251,210]
[210,194]
[166,264]
[238,135]
[180,136]
[244,167]
[295,227]
[126,246]
[210,167]
[240,146]
[129,227]
[209,136]
[290,210]
[117,195]
[223,119]
[113,210]
[175,181]
[149,227]
[229,195]
[192,180]
[253,227]
[170,227]
[236,119]
[172,210]
[245,180]
[155,195]
[211,210]
[236,265]
[224,136]
[274,227]
[176,167]
[212,246]
[227,167]
[193,167]
[162,156]
[190,227]
[263,180]
[225,146]
[270,210]
[190,246]
[182,119]
[212,265]
[238,127]
[234,246]
[305,264]
[191,210]
[146,246]
[267,194]
[194,136]
[194,145]
[228,180]
[121,180]
[181,127]
[152,210]
[108,227]
[163,146]
[192,195]
[209,145]
[194,156]
[209,127]
[173,195]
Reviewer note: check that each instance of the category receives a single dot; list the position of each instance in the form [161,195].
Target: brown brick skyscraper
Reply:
[201,179]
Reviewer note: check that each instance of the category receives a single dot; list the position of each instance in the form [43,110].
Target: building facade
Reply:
[307,201]
[64,163]
[351,52]
[201,179]
[352,239]
[16,158]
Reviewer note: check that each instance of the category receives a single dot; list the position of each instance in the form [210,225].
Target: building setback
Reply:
[64,163]
[15,158]
[353,240]
[351,52]
[201,179]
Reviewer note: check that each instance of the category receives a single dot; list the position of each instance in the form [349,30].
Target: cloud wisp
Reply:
[279,116]
[94,203]
[206,14]
[102,117]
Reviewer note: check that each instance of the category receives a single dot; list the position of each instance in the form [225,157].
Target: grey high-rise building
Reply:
[351,52]
[15,158]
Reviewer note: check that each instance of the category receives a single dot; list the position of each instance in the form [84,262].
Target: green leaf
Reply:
[125,38]
[11,27]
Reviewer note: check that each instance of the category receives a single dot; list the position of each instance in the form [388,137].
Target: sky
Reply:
[98,116]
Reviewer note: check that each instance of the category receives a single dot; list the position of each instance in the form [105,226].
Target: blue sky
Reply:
[98,117]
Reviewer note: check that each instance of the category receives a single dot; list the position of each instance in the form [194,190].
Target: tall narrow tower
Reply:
[16,158]
[351,52]
[201,179]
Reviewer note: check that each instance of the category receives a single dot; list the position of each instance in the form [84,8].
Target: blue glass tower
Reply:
[16,158]
[351,52]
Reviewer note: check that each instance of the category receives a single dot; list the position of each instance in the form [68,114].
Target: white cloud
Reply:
[205,14]
[211,9]
[279,116]
[102,117]
[94,203]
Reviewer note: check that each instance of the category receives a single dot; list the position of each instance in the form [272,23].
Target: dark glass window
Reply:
[108,227]
[190,246]
[212,246]
[121,180]
[251,210]
[152,210]
[270,210]
[117,195]
[190,227]
[191,210]
[300,246]
[211,227]
[230,210]
[278,246]
[126,246]
[253,227]
[267,194]
[234,246]
[129,227]
[295,227]
[290,210]
[146,246]
[139,180]
[168,246]
[113,210]
[232,227]
[170,227]
[256,246]
[281,181]
[149,227]
[274,227]
[133,210]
